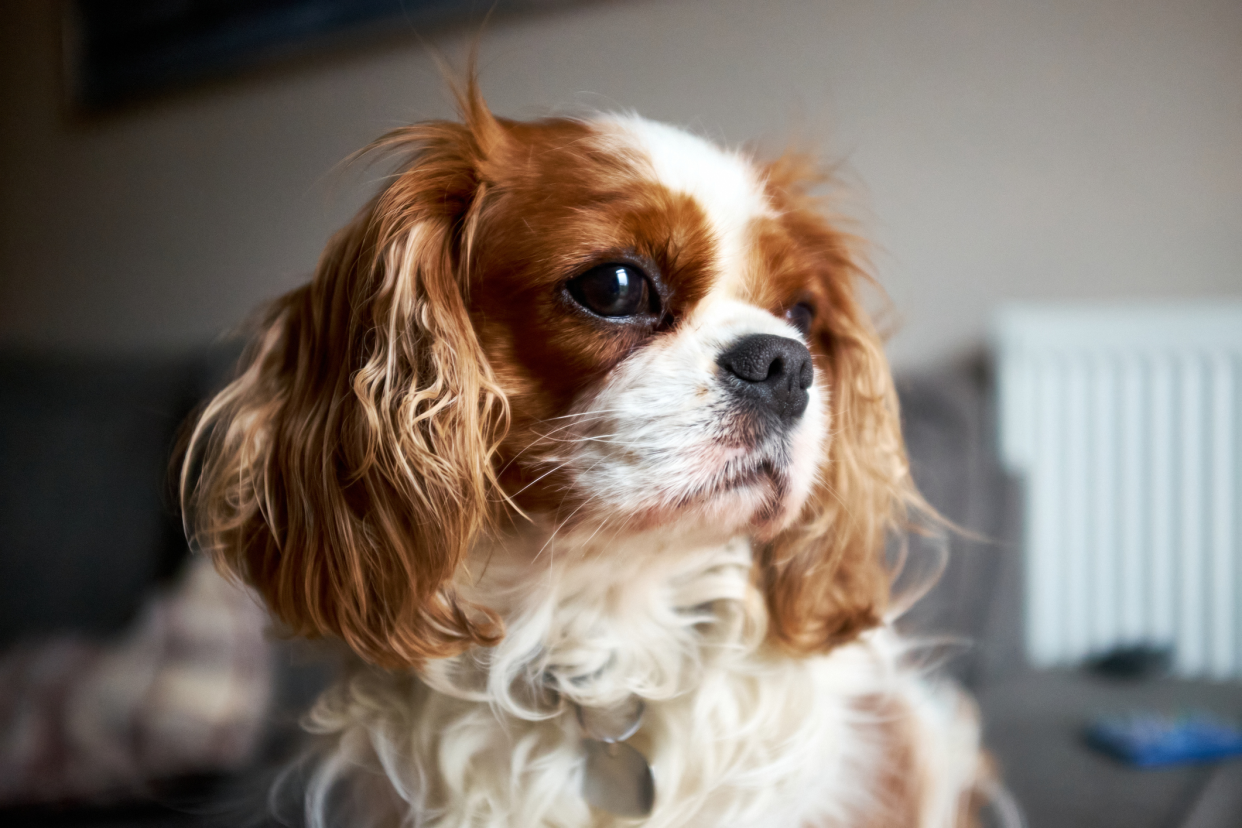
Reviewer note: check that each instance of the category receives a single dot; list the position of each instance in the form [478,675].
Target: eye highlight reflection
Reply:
[802,317]
[614,290]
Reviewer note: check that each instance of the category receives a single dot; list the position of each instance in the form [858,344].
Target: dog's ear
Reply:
[348,469]
[825,578]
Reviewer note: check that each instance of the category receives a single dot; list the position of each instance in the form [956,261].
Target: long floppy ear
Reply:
[825,578]
[348,469]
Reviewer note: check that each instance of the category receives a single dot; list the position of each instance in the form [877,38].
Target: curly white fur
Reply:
[736,734]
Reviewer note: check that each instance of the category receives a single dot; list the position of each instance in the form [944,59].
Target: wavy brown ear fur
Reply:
[348,469]
[825,578]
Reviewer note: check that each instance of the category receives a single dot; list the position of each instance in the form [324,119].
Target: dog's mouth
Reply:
[752,492]
[760,474]
[754,497]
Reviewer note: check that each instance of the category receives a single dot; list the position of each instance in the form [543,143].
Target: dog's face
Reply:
[647,313]
[602,323]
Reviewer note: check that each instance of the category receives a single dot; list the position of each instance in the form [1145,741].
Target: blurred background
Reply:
[165,167]
[1053,150]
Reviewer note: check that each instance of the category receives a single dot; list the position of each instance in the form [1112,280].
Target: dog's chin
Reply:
[760,502]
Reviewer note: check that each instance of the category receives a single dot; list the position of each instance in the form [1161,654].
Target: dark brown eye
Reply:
[801,316]
[613,290]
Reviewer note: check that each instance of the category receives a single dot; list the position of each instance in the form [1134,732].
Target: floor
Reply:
[1033,725]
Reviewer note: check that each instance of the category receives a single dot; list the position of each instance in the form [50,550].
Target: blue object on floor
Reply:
[1149,740]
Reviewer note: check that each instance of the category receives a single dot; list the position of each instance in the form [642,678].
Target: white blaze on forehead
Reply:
[725,185]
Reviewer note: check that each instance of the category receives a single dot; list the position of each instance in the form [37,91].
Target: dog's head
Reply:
[601,322]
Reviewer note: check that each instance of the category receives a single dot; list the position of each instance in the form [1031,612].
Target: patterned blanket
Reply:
[185,690]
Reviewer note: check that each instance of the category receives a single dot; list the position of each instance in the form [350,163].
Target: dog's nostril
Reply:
[773,372]
[807,375]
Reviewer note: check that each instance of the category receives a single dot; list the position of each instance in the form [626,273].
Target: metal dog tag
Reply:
[618,779]
[612,724]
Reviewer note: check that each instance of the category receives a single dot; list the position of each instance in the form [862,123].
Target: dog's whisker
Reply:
[591,413]
[553,470]
[562,525]
[537,441]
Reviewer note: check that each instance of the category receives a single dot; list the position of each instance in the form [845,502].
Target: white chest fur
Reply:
[736,733]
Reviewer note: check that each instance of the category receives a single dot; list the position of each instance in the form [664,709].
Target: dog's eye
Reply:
[801,316]
[613,290]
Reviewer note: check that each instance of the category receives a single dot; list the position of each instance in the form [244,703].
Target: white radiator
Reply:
[1126,425]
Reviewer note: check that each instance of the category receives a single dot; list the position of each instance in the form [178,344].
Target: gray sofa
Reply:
[88,526]
[1033,720]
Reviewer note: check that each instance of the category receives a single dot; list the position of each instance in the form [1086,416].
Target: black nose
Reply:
[771,371]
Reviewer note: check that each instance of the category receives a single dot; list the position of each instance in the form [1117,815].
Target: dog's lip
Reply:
[761,471]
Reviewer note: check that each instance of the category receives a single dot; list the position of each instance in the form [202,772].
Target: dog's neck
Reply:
[596,617]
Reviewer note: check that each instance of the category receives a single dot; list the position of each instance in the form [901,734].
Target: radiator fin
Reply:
[1126,424]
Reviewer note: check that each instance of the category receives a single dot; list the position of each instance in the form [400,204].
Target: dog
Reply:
[581,440]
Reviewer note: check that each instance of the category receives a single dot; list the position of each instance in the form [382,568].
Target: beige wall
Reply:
[1050,149]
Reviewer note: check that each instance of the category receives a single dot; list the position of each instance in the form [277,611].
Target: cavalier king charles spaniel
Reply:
[581,441]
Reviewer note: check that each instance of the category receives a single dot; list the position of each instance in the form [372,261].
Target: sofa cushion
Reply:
[947,422]
[86,523]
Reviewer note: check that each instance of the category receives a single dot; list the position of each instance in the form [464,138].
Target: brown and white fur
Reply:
[504,502]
